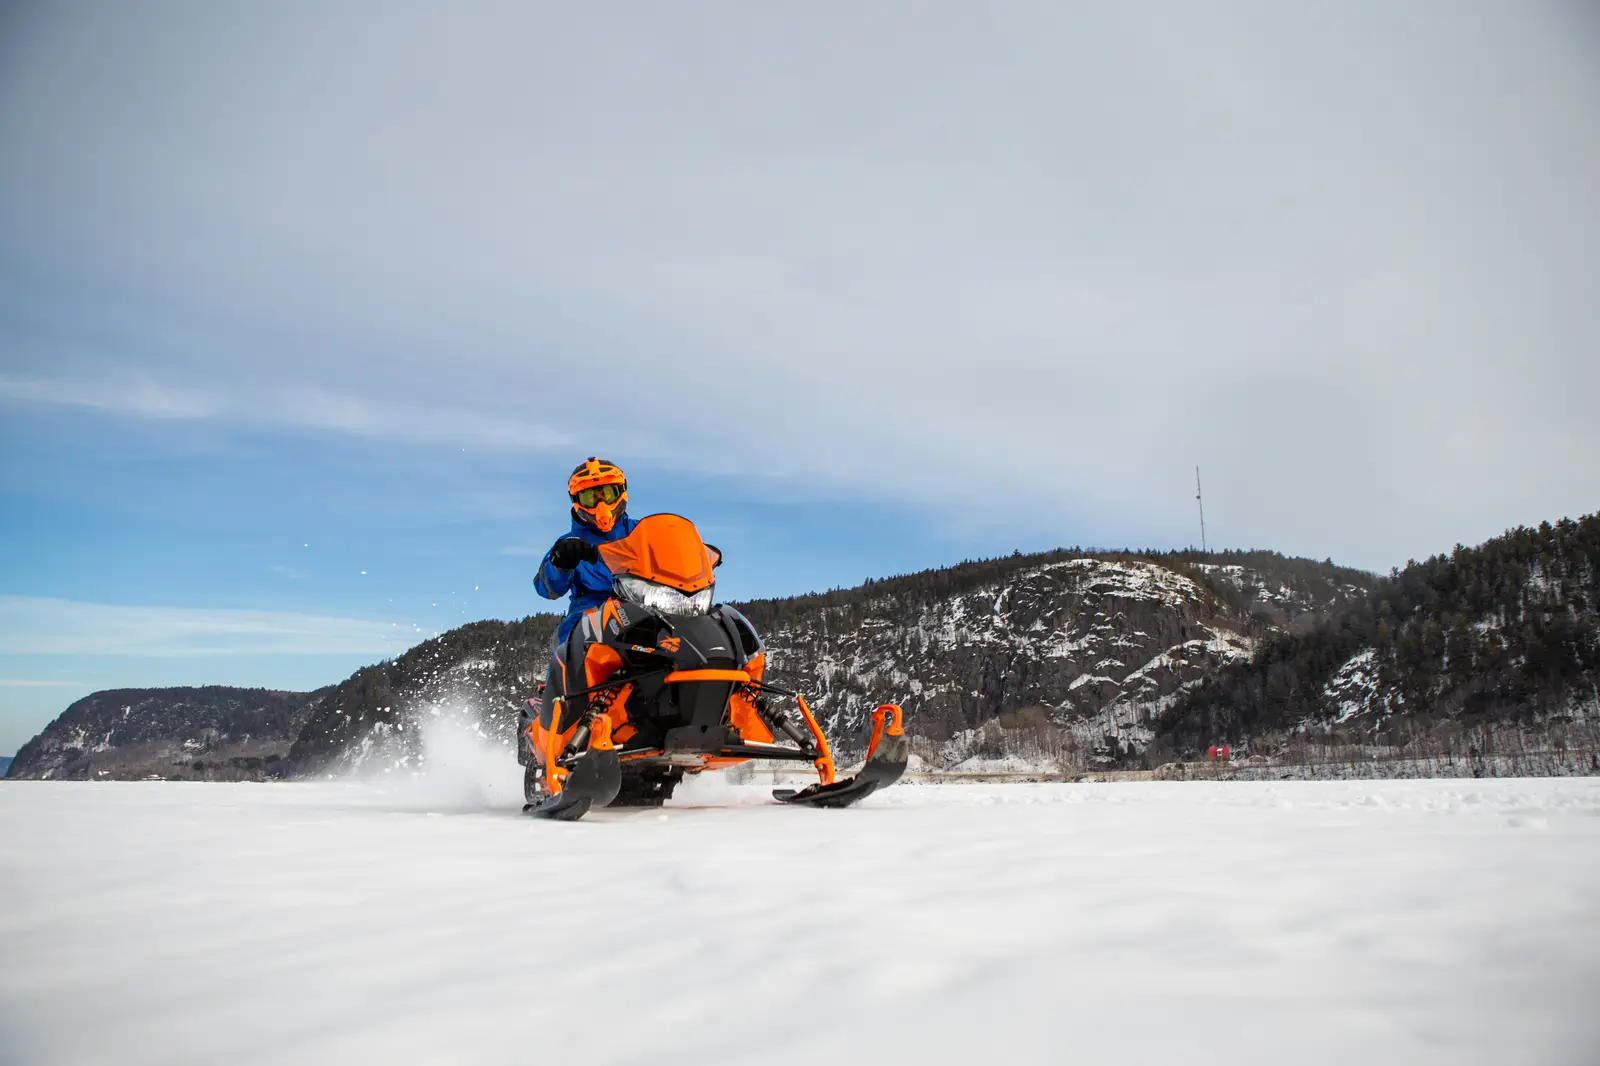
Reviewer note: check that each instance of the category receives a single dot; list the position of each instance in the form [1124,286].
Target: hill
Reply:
[1061,658]
[213,733]
[1486,652]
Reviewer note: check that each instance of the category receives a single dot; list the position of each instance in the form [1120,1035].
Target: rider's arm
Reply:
[551,583]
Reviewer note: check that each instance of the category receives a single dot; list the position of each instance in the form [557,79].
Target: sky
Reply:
[305,315]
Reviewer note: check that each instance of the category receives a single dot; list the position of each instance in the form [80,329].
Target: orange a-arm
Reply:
[824,764]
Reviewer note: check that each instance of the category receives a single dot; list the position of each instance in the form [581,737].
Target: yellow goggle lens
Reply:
[591,496]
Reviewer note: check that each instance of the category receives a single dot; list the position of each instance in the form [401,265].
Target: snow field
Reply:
[428,921]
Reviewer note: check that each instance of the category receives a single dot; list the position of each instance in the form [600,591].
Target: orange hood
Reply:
[664,548]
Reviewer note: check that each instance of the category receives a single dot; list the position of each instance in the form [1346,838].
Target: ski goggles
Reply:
[597,494]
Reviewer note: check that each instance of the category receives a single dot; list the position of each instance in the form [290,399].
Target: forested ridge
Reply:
[1507,631]
[1306,583]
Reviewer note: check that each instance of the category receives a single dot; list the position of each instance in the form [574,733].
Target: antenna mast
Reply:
[1202,503]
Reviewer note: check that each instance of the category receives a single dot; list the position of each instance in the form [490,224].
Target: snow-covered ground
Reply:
[430,922]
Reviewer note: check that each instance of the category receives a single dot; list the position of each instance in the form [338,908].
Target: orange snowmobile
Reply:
[658,682]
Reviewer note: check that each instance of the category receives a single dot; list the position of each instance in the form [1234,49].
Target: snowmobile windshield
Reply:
[662,549]
[663,598]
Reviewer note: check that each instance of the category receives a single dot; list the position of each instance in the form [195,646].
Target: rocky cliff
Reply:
[1066,660]
[205,734]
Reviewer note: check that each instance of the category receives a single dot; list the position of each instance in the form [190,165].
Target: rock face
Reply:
[1068,661]
[203,734]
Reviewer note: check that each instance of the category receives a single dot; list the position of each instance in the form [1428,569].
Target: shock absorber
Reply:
[579,741]
[777,719]
[599,703]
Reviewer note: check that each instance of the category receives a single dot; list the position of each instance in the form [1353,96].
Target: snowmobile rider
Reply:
[599,493]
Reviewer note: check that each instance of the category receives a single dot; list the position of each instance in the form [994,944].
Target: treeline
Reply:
[1297,587]
[1312,582]
[906,591]
[1507,630]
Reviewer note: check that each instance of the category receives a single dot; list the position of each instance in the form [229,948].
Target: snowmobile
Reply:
[659,682]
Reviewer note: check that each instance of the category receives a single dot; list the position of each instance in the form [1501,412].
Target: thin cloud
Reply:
[31,625]
[133,397]
[306,408]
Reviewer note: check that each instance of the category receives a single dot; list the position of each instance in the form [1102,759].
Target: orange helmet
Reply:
[599,492]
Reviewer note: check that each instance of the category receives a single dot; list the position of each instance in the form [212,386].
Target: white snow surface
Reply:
[426,920]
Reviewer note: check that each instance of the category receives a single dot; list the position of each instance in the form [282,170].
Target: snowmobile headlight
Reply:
[663,598]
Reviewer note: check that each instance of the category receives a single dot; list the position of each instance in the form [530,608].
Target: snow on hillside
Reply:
[1277,593]
[1099,645]
[427,920]
[1354,688]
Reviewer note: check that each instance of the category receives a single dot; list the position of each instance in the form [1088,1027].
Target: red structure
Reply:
[1218,751]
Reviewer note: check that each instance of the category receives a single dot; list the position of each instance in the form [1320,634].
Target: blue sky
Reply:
[288,294]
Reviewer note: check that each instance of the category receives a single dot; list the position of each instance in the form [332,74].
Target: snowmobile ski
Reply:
[886,761]
[593,778]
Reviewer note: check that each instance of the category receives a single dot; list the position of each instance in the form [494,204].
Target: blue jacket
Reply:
[590,583]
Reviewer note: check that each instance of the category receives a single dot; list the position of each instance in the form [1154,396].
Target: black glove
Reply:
[570,551]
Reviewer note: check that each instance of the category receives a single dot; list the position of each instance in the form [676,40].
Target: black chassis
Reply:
[680,723]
